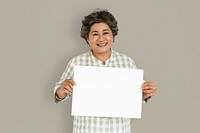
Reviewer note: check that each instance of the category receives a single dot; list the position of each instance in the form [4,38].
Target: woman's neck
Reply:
[102,56]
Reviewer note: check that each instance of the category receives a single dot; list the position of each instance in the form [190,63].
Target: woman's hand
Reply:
[65,88]
[149,89]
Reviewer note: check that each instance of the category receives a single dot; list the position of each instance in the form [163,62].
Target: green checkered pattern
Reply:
[85,124]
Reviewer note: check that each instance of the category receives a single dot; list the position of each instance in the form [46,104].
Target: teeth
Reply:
[101,45]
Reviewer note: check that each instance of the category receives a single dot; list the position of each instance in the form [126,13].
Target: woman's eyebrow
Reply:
[106,30]
[102,30]
[94,31]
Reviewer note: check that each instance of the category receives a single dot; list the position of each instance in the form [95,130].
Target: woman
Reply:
[99,30]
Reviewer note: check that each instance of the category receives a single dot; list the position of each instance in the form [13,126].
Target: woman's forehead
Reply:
[99,27]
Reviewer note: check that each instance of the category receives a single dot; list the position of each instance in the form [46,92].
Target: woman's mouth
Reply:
[101,44]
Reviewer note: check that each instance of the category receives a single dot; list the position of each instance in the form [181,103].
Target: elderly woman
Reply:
[99,30]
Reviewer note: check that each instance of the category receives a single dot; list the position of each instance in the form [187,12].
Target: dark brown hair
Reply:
[98,16]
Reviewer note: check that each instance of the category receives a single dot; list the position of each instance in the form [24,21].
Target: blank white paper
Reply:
[107,92]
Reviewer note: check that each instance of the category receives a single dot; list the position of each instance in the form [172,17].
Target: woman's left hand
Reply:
[149,89]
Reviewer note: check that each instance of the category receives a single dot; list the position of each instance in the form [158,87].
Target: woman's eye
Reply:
[95,34]
[106,33]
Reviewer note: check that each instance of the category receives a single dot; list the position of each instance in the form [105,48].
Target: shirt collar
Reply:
[100,62]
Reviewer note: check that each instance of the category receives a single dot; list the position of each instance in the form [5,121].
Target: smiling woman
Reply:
[98,16]
[100,41]
[99,30]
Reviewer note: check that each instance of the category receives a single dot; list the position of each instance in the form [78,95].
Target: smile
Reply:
[102,44]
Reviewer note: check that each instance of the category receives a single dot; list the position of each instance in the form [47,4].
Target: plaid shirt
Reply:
[85,124]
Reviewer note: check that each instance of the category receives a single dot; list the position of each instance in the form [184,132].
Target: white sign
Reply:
[107,92]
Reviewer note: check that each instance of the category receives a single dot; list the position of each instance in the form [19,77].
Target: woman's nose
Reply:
[101,38]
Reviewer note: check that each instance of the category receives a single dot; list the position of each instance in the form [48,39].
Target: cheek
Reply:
[91,42]
[110,39]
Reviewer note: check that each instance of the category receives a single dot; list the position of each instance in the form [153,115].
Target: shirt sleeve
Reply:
[134,66]
[67,74]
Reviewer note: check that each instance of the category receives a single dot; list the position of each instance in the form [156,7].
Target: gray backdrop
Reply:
[39,37]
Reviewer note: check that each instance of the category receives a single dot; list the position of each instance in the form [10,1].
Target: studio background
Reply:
[39,37]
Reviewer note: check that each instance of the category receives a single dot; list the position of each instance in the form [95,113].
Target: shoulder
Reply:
[84,55]
[80,58]
[121,55]
[124,59]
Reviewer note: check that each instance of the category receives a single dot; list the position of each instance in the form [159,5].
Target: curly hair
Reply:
[98,16]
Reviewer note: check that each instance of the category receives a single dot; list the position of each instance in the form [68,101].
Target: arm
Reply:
[64,90]
[148,88]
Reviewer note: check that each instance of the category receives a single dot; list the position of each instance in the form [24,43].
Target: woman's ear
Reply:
[87,40]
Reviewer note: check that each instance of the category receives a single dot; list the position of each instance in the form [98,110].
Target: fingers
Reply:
[67,86]
[149,88]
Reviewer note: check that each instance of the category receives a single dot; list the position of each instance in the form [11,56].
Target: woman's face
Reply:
[100,39]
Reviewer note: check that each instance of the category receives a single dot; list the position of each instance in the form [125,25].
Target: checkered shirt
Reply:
[85,124]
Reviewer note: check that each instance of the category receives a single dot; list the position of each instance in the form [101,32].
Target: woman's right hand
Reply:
[65,88]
